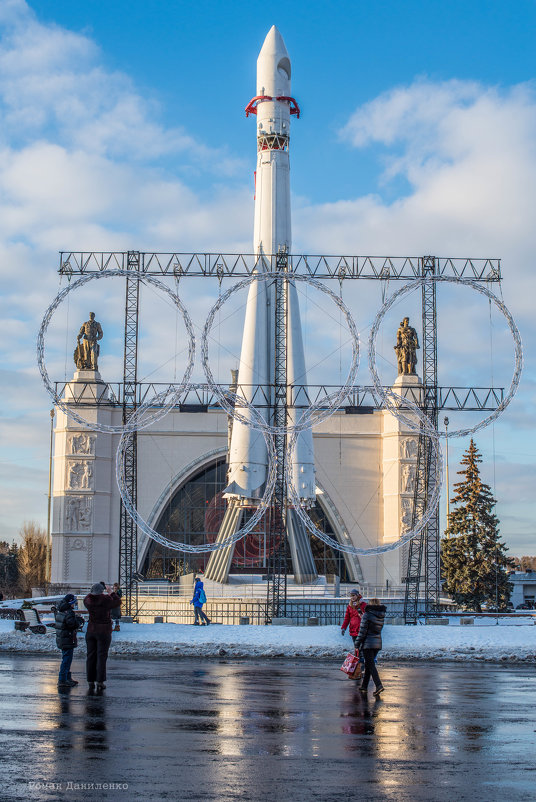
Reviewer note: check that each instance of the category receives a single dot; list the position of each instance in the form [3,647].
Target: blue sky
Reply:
[196,60]
[122,126]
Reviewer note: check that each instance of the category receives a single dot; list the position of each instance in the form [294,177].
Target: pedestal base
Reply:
[87,386]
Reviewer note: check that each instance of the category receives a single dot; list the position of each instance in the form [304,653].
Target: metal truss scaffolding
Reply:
[423,563]
[423,557]
[239,265]
[128,533]
[277,564]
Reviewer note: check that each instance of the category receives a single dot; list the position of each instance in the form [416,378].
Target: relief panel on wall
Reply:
[79,475]
[406,515]
[408,474]
[78,514]
[409,447]
[82,443]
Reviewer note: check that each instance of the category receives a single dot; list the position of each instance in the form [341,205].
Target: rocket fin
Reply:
[220,561]
[303,563]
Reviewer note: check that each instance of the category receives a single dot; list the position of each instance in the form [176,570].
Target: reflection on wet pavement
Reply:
[267,731]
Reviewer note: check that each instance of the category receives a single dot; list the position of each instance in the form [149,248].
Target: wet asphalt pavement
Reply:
[265,730]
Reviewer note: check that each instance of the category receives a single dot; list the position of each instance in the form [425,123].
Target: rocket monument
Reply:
[273,106]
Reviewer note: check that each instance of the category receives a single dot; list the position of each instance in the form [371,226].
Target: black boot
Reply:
[70,681]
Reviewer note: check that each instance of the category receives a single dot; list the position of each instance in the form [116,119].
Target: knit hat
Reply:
[70,598]
[96,589]
[355,592]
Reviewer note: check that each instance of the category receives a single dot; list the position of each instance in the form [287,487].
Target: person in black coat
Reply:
[99,633]
[116,611]
[66,623]
[369,640]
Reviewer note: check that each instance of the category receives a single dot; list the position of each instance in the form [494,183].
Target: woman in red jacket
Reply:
[354,612]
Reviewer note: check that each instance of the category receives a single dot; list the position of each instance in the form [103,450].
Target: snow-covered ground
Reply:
[509,641]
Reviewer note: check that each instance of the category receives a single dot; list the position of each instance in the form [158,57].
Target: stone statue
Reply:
[87,350]
[406,348]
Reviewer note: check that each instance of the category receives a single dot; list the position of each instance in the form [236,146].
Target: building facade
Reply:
[365,466]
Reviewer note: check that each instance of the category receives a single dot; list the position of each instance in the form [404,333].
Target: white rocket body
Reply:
[248,456]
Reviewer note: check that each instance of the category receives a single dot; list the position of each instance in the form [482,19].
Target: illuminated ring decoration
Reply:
[335,399]
[132,424]
[432,497]
[187,547]
[518,351]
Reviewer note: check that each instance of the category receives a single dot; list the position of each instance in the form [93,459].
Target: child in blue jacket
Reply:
[198,601]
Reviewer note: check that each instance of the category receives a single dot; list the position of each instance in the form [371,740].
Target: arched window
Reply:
[194,514]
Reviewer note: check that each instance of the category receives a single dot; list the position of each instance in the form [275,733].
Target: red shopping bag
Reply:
[351,664]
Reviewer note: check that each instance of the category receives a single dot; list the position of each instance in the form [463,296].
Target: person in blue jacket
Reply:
[198,601]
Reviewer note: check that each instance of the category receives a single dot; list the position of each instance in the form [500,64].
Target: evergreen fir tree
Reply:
[9,569]
[474,564]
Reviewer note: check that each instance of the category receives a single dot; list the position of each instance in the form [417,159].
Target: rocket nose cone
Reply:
[273,65]
[273,44]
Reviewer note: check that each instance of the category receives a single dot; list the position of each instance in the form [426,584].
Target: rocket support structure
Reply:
[261,350]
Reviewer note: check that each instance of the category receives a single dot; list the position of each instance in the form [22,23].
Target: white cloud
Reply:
[54,86]
[466,153]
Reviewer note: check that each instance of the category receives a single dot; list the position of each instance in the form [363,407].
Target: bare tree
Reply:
[32,556]
[525,563]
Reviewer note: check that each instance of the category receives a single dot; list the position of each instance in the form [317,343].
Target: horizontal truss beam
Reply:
[239,265]
[364,399]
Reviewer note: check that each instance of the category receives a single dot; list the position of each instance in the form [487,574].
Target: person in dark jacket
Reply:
[116,611]
[369,641]
[66,624]
[198,601]
[99,633]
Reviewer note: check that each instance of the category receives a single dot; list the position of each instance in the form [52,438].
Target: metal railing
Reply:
[221,612]
[230,611]
[254,590]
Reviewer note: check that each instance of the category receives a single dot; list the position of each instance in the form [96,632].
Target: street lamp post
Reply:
[446,422]
[49,549]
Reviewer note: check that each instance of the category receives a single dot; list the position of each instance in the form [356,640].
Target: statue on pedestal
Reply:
[406,346]
[87,350]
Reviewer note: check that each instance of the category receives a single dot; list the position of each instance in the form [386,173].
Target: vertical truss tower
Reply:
[128,531]
[423,566]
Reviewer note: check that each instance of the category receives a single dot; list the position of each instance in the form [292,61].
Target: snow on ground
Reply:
[512,642]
